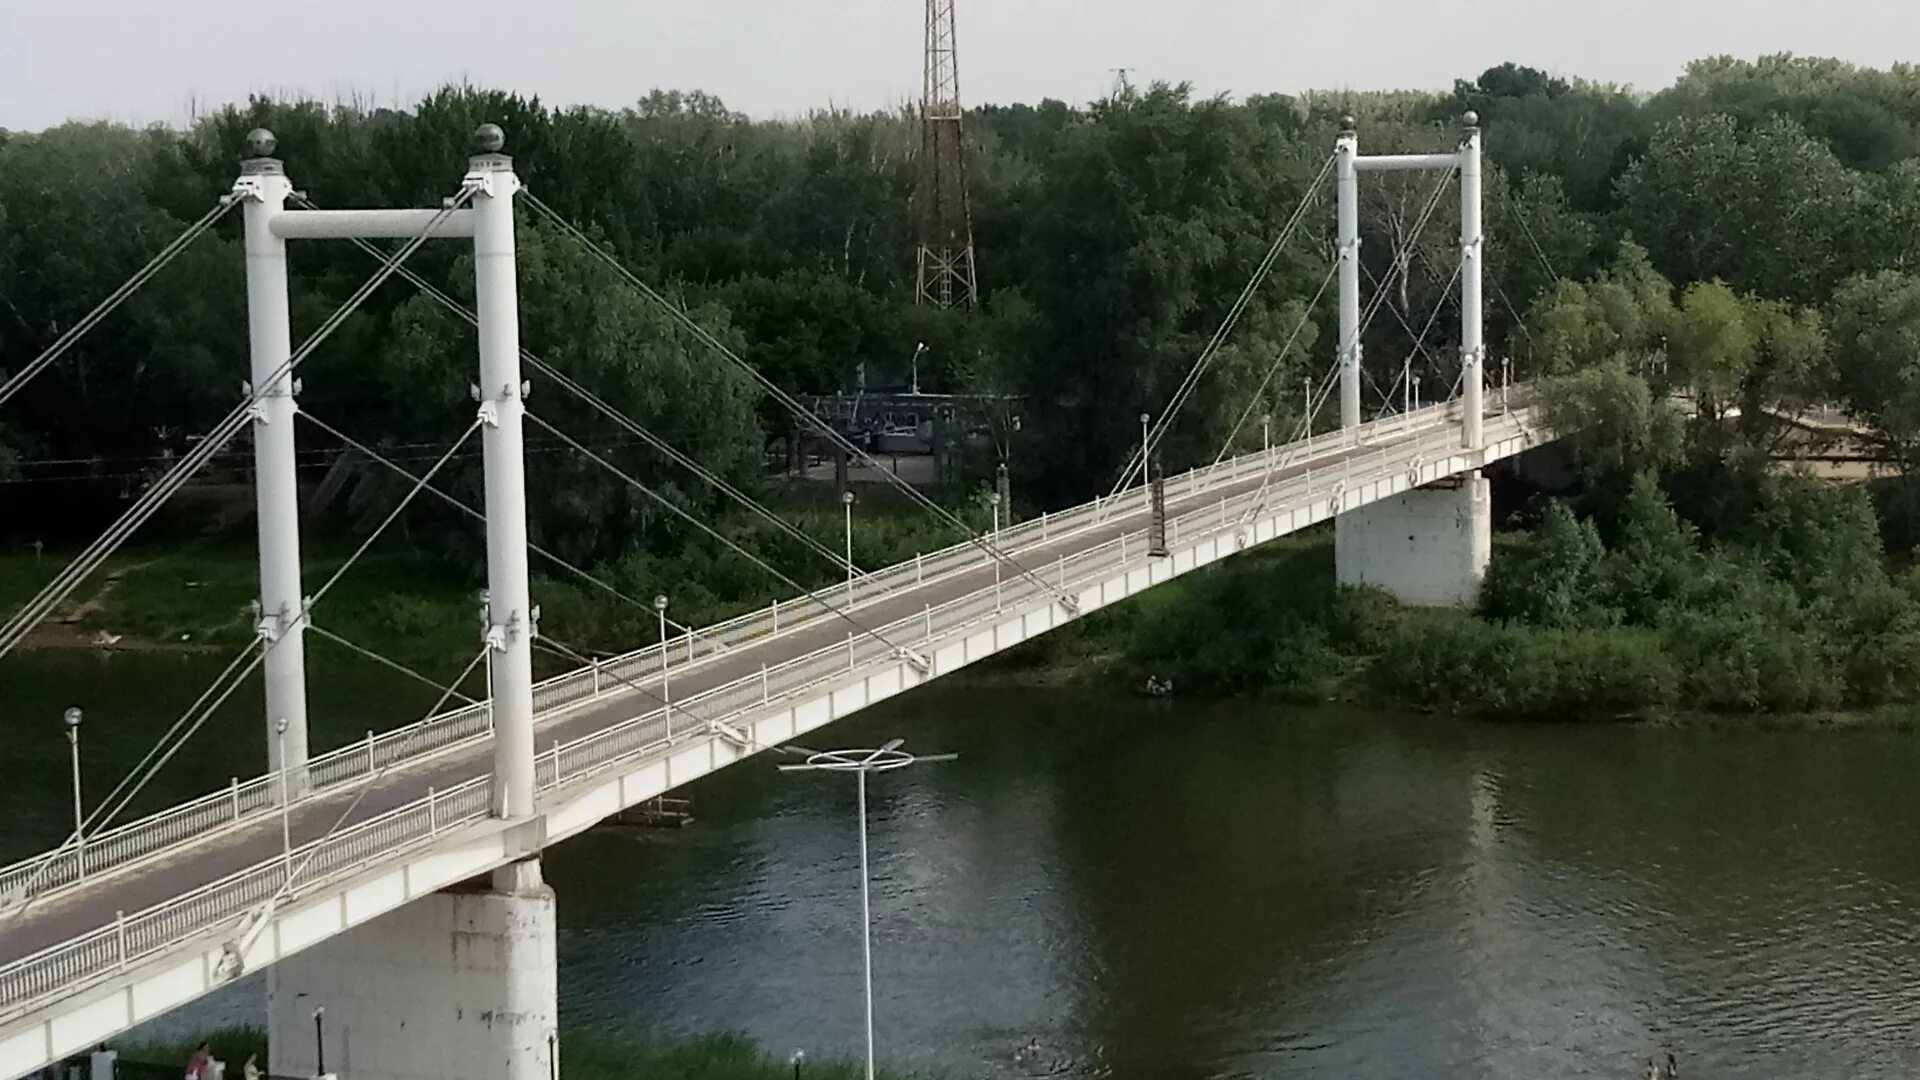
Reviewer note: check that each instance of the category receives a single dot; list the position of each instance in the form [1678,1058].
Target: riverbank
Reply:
[1796,622]
[1798,619]
[420,605]
[593,1057]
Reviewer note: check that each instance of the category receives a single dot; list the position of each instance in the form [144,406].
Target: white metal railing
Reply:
[221,810]
[128,939]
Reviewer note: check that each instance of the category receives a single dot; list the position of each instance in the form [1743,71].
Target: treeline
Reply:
[1748,235]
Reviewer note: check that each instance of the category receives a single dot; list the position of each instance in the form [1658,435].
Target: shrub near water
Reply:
[1796,614]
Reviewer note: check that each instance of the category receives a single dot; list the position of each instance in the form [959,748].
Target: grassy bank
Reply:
[419,605]
[582,1057]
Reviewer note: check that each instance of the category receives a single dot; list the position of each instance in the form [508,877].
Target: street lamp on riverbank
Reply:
[861,762]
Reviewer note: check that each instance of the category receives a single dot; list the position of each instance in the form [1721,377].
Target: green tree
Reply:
[1552,579]
[598,331]
[1768,209]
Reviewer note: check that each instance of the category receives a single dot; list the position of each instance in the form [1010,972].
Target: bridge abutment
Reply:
[1428,546]
[459,985]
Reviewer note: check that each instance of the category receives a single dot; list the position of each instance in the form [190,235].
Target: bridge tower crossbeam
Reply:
[1348,164]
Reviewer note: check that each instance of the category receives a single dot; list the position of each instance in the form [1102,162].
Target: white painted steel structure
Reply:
[135,965]
[1348,164]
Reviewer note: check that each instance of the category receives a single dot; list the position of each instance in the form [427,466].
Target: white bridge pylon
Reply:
[1348,164]
[482,210]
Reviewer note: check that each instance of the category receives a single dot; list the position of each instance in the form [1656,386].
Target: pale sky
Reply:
[145,61]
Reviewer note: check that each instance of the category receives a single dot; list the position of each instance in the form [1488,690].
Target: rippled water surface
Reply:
[1172,890]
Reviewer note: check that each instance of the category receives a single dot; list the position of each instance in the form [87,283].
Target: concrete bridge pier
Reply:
[459,985]
[1428,547]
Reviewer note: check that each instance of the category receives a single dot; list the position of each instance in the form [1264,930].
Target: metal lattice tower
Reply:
[946,273]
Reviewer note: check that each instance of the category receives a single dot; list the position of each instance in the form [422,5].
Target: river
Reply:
[1177,890]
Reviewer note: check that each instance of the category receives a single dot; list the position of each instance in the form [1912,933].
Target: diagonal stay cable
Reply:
[1185,390]
[386,661]
[203,708]
[639,430]
[561,649]
[593,400]
[55,592]
[312,848]
[382,459]
[1446,294]
[306,612]
[681,512]
[95,815]
[788,402]
[1367,317]
[114,299]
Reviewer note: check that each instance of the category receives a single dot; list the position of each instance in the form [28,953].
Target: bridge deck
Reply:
[94,904]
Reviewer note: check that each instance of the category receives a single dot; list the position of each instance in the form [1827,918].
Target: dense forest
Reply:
[1747,238]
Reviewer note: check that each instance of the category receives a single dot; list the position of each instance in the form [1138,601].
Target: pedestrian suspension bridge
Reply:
[394,881]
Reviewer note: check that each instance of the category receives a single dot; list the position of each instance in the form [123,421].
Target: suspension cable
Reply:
[680,512]
[634,427]
[1185,390]
[385,661]
[382,459]
[175,738]
[788,402]
[399,755]
[96,553]
[115,298]
[1373,309]
[561,649]
[1446,293]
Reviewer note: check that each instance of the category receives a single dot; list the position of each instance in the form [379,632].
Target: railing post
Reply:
[918,569]
[929,614]
[596,676]
[433,826]
[1063,571]
[233,787]
[776,615]
[369,753]
[1043,524]
[850,650]
[764,696]
[555,754]
[120,936]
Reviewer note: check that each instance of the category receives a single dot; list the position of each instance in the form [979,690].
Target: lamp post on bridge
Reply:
[861,762]
[660,606]
[72,720]
[1266,439]
[846,500]
[286,820]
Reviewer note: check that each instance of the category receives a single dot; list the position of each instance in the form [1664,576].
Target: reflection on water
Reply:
[1170,890]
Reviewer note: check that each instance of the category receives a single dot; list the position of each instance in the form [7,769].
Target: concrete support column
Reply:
[459,985]
[264,186]
[1347,188]
[1428,547]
